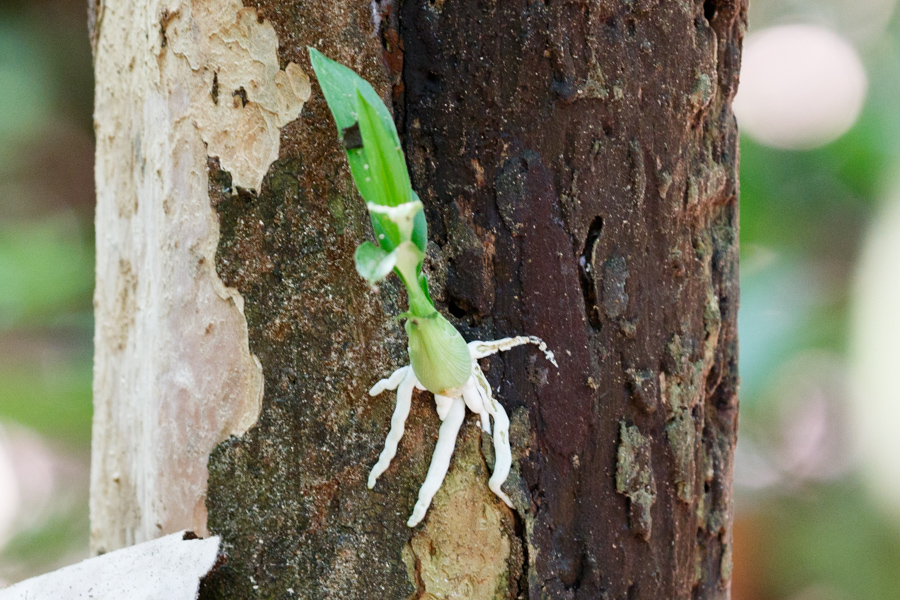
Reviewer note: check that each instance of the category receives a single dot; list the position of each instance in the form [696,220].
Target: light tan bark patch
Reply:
[463,550]
[239,96]
[177,81]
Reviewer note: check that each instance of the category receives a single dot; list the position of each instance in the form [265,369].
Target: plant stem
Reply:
[407,269]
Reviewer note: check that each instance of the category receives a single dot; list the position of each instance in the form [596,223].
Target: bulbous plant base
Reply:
[475,394]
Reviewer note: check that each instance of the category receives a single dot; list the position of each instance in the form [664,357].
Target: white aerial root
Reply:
[475,394]
[440,460]
[405,379]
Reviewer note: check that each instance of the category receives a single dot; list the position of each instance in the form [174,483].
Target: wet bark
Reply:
[577,161]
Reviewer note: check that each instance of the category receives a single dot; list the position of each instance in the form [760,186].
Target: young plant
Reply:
[440,359]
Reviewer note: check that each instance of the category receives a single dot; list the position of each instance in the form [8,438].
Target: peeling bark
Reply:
[578,165]
[173,371]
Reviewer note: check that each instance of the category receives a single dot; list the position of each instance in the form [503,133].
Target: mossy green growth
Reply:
[438,353]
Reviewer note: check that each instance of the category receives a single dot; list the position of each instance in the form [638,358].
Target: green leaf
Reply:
[385,167]
[376,160]
[420,228]
[388,239]
[388,233]
[373,263]
[339,85]
[423,283]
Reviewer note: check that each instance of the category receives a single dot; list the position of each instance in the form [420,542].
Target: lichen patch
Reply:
[681,436]
[634,479]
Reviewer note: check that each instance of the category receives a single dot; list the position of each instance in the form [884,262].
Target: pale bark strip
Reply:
[168,568]
[176,81]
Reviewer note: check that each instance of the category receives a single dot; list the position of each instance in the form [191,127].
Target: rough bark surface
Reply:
[588,151]
[577,161]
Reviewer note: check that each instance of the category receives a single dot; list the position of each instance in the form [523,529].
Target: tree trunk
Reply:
[577,161]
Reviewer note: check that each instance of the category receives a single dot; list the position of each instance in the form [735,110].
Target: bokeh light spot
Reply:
[802,86]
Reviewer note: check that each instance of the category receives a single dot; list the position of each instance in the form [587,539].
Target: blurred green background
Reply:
[817,511]
[46,282]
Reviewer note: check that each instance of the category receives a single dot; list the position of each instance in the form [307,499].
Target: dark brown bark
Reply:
[578,163]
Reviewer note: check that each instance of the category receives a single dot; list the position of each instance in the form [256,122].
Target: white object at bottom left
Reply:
[168,568]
